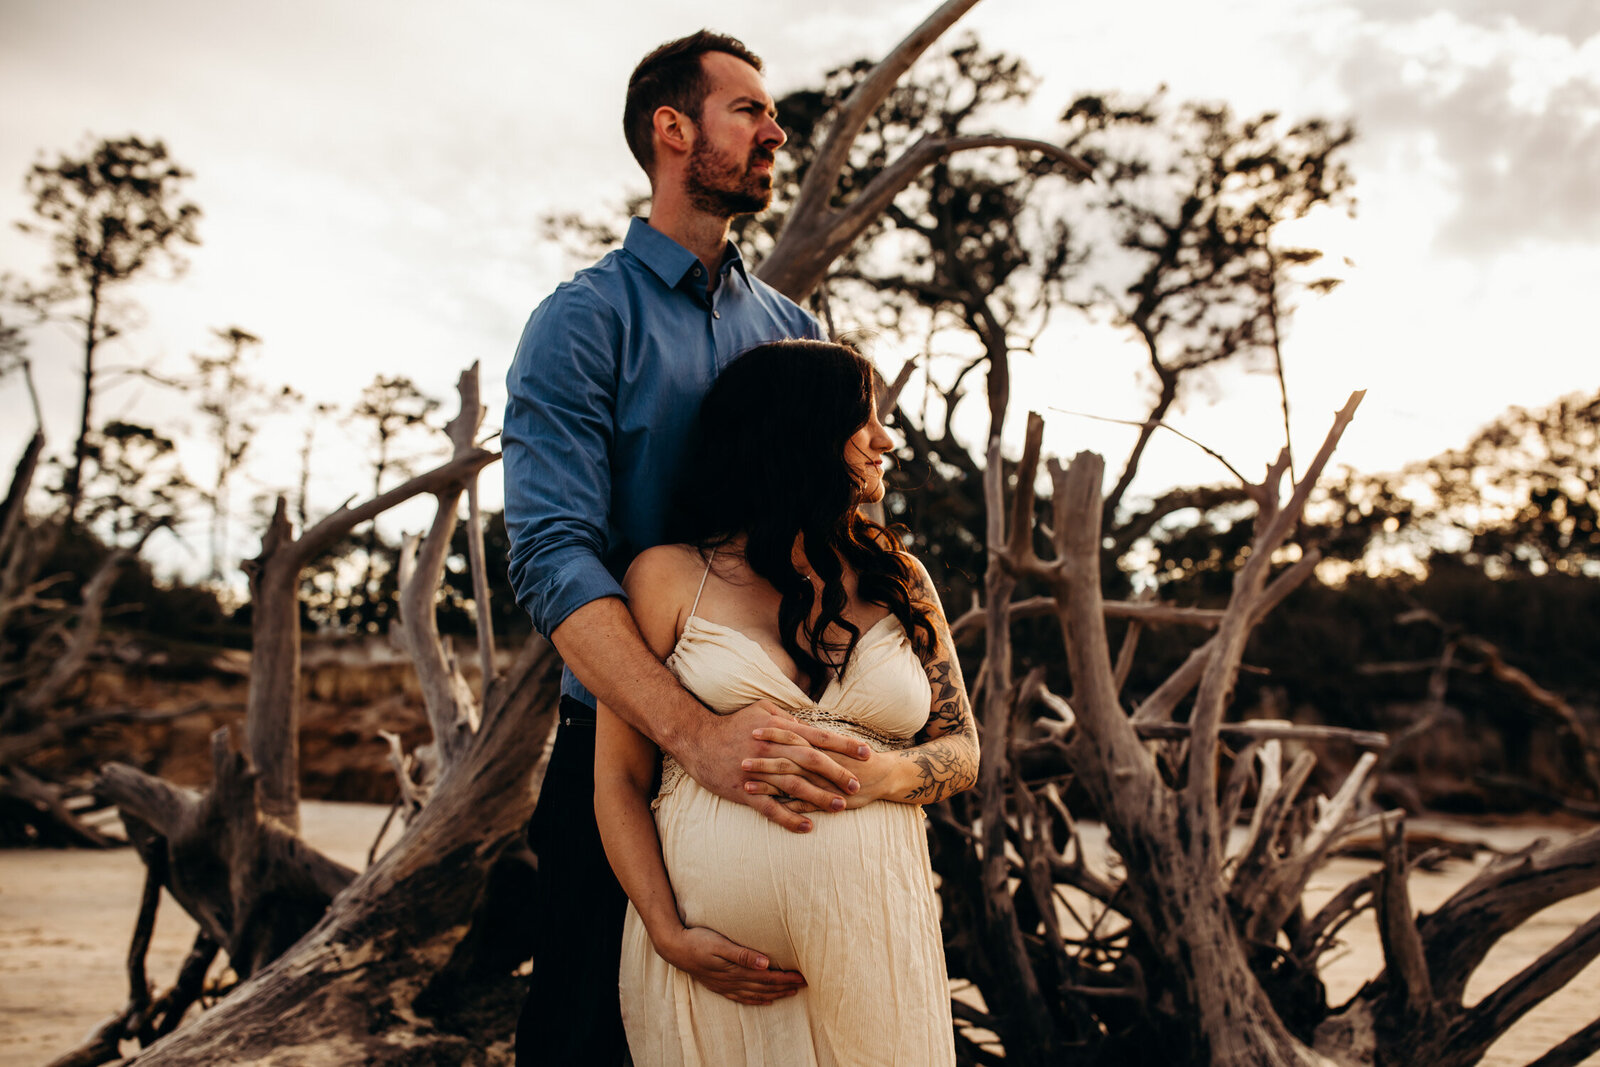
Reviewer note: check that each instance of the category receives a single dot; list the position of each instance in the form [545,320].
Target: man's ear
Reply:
[674,131]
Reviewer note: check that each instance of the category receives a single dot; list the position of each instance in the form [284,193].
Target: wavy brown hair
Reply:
[766,461]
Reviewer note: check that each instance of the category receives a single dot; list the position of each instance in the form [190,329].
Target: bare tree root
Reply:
[1416,1004]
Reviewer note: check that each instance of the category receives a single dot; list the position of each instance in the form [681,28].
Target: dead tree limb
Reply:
[1413,994]
[815,233]
[250,882]
[1164,699]
[1254,729]
[65,667]
[1217,681]
[35,812]
[256,888]
[1567,721]
[13,511]
[1024,1012]
[273,711]
[105,1042]
[1563,714]
[1574,1051]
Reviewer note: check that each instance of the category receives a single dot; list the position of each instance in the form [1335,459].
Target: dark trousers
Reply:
[572,1015]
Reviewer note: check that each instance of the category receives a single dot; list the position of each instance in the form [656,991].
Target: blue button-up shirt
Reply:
[605,385]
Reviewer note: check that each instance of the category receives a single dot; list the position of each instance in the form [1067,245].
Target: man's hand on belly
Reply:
[603,646]
[803,768]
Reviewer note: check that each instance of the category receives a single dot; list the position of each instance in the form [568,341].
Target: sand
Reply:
[66,917]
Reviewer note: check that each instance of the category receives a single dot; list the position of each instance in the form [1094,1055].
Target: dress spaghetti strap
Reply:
[702,588]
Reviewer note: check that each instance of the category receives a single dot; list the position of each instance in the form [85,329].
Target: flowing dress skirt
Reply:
[851,905]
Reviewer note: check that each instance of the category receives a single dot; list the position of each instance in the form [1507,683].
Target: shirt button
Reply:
[697,272]
[716,314]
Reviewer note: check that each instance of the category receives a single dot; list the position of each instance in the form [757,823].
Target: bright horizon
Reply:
[374,178]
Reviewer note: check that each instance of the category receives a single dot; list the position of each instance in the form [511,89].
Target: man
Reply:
[606,382]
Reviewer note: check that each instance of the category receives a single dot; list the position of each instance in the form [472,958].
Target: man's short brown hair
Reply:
[672,76]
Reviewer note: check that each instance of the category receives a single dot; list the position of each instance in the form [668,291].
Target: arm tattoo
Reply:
[947,756]
[951,712]
[945,765]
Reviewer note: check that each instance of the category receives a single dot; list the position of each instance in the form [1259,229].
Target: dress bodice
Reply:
[883,698]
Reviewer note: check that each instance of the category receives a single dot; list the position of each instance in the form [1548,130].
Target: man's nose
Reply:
[772,135]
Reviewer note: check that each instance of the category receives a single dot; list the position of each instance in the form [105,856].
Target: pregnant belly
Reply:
[857,879]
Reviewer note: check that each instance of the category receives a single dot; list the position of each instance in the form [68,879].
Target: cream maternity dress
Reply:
[851,905]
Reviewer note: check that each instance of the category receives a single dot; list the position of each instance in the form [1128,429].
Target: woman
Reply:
[780,590]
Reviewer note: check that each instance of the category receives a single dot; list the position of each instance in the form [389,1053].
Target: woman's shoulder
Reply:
[661,586]
[664,570]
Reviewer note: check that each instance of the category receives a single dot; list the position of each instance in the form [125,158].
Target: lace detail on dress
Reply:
[672,771]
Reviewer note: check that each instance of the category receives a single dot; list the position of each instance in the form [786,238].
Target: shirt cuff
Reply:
[575,583]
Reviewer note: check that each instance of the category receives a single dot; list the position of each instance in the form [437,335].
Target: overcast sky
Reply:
[374,175]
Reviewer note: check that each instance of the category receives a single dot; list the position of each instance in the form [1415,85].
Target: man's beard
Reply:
[726,190]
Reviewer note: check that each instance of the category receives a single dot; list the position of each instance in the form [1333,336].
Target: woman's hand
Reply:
[742,975]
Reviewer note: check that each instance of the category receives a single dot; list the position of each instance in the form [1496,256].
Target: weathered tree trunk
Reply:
[1187,960]
[1171,843]
[1175,892]
[252,884]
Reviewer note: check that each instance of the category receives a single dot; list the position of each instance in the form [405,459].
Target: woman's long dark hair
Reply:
[766,460]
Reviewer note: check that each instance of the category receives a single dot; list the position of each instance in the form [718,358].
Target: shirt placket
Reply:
[720,335]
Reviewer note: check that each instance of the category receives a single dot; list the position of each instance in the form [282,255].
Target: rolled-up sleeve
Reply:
[559,426]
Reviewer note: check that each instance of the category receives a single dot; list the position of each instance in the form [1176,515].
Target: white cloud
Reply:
[1509,116]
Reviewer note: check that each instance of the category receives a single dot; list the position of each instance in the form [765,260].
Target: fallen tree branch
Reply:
[1163,701]
[1460,933]
[971,622]
[15,747]
[1263,729]
[1412,999]
[272,717]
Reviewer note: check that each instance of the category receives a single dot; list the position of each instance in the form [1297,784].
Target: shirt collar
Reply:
[670,261]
